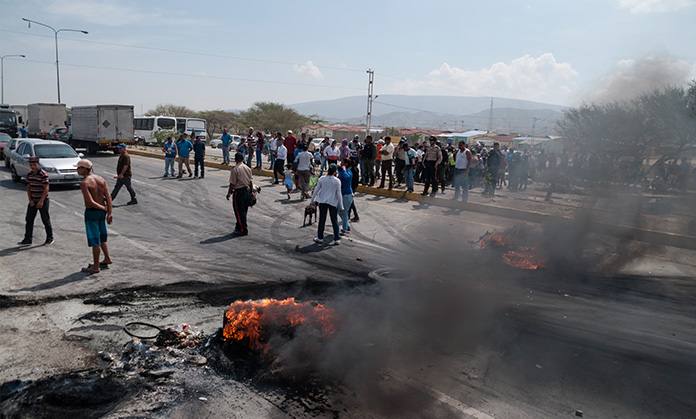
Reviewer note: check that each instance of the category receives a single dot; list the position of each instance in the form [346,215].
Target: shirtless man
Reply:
[97,213]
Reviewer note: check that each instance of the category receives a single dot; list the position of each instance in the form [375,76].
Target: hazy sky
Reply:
[215,54]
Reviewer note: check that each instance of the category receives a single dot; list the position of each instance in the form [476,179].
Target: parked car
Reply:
[57,158]
[217,143]
[60,134]
[9,148]
[4,140]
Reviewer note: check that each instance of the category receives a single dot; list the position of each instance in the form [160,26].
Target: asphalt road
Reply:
[462,336]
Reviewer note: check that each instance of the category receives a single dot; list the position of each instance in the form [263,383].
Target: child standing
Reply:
[289,185]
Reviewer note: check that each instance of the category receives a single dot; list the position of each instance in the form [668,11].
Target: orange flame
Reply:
[251,319]
[513,254]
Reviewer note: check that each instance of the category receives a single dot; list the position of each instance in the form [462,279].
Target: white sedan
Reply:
[57,159]
[217,143]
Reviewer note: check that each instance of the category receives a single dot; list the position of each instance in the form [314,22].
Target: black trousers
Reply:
[240,203]
[399,169]
[386,170]
[45,219]
[429,176]
[333,213]
[279,169]
[124,181]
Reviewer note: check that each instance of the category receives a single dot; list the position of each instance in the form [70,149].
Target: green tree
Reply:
[658,124]
[170,109]
[218,120]
[272,117]
[392,132]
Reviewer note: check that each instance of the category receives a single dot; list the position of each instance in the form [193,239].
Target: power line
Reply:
[202,54]
[167,73]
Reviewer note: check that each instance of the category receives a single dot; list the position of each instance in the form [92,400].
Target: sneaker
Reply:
[190,174]
[49,242]
[202,177]
[335,243]
[25,242]
[355,220]
[132,202]
[195,177]
[343,232]
[165,175]
[316,240]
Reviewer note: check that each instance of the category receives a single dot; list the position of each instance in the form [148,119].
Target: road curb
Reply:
[633,233]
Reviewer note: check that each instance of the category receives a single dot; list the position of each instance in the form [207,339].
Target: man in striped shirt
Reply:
[37,190]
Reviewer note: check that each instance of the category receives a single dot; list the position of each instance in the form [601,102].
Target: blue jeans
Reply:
[225,154]
[347,202]
[272,161]
[169,165]
[408,176]
[461,181]
[259,158]
[198,161]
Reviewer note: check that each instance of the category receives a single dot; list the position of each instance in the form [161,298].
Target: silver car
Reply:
[57,159]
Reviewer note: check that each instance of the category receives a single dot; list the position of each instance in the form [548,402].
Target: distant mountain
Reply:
[439,112]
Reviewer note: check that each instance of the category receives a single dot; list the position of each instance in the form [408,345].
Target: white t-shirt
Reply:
[282,152]
[304,160]
[332,153]
[461,161]
[389,148]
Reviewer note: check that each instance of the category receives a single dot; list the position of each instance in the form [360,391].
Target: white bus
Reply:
[146,126]
[193,127]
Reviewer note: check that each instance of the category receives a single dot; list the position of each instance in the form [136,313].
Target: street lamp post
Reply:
[2,74]
[55,31]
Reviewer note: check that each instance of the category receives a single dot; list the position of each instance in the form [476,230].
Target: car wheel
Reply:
[15,176]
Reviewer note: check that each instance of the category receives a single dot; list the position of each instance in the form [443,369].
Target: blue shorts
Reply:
[95,223]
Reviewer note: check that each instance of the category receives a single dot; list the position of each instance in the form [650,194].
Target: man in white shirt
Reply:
[328,195]
[279,167]
[304,170]
[387,153]
[273,146]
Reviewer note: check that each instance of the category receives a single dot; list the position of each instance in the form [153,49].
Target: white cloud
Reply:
[635,76]
[308,69]
[655,6]
[527,77]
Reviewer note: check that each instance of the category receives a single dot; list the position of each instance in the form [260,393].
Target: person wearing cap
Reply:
[98,207]
[290,144]
[431,159]
[240,190]
[123,175]
[37,191]
[328,195]
[387,153]
[198,157]
[169,149]
[184,148]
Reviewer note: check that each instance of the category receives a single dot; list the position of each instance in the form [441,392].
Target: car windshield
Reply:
[4,138]
[54,151]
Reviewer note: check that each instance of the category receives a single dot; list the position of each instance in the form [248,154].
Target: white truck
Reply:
[101,127]
[42,117]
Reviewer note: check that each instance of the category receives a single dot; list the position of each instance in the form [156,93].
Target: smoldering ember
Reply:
[481,275]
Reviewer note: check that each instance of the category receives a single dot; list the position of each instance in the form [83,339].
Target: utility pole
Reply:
[490,117]
[368,120]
